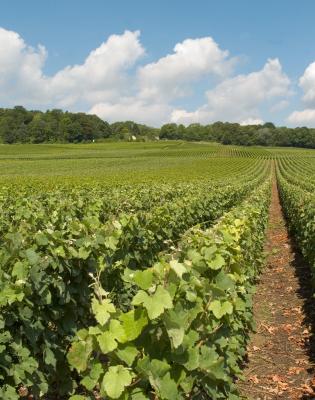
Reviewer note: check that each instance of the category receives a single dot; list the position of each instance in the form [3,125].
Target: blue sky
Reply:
[138,75]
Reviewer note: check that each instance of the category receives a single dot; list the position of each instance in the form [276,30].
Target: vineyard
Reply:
[128,269]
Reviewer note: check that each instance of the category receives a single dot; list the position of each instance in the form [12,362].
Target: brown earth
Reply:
[280,362]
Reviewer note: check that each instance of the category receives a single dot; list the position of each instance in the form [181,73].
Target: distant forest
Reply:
[19,125]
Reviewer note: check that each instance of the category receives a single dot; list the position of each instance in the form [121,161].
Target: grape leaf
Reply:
[155,304]
[79,353]
[115,381]
[107,342]
[217,262]
[220,309]
[102,310]
[133,323]
[144,278]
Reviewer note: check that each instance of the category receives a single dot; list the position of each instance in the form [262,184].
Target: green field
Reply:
[128,268]
[140,160]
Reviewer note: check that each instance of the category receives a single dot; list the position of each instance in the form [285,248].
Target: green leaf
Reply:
[215,307]
[174,328]
[191,296]
[8,392]
[212,363]
[60,251]
[102,310]
[178,320]
[107,342]
[143,278]
[209,251]
[115,381]
[217,370]
[118,331]
[137,394]
[155,304]
[224,281]
[133,323]
[208,356]
[79,354]
[50,358]
[195,257]
[167,388]
[220,309]
[217,262]
[192,362]
[32,256]
[178,268]
[82,334]
[176,335]
[19,270]
[91,380]
[187,384]
[140,298]
[88,383]
[78,397]
[111,242]
[41,239]
[228,238]
[94,330]
[83,253]
[227,307]
[96,370]
[240,305]
[191,338]
[158,368]
[127,354]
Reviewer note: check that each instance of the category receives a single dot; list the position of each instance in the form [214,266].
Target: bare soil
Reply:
[280,363]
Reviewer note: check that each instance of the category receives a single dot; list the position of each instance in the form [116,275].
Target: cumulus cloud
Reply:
[252,121]
[102,76]
[111,83]
[181,116]
[307,83]
[20,68]
[306,117]
[239,98]
[132,108]
[191,60]
[170,77]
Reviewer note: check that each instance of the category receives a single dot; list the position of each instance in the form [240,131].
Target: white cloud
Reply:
[133,109]
[110,82]
[307,83]
[171,76]
[20,67]
[168,78]
[202,115]
[306,117]
[101,77]
[303,118]
[240,98]
[252,121]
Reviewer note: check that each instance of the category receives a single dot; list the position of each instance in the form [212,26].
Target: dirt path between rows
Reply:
[280,361]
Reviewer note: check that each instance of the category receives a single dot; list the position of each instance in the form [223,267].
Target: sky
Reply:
[163,61]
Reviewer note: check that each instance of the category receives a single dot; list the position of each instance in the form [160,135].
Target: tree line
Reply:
[19,125]
[249,135]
